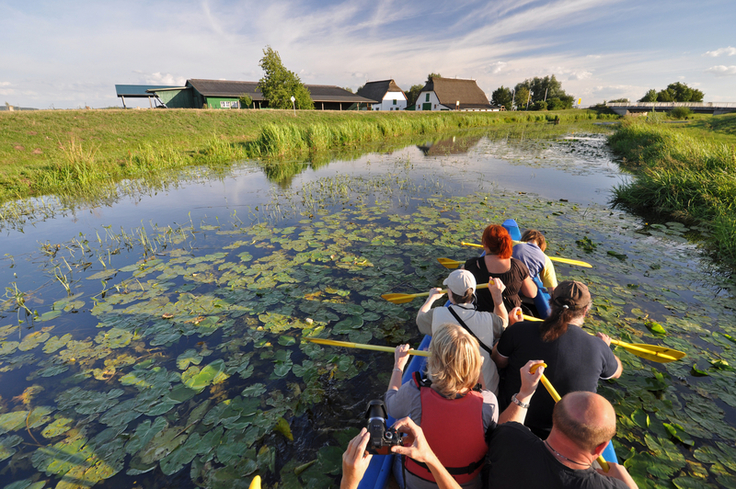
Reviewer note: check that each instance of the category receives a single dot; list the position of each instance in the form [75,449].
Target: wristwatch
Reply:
[524,405]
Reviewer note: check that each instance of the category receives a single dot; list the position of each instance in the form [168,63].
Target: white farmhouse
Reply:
[386,93]
[453,94]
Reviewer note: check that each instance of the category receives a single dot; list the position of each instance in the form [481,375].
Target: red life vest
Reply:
[454,431]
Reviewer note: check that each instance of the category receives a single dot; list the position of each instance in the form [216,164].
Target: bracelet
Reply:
[400,370]
[524,405]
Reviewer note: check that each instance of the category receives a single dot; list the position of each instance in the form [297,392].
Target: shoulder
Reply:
[519,266]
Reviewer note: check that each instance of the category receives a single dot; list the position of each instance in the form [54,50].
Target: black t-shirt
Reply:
[512,279]
[517,459]
[575,362]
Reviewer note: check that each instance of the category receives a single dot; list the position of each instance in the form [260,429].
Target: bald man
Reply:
[582,425]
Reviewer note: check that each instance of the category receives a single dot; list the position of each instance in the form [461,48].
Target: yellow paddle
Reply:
[397,298]
[255,483]
[363,346]
[655,353]
[556,396]
[568,261]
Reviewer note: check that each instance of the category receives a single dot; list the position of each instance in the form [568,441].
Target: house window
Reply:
[228,104]
[394,101]
[427,99]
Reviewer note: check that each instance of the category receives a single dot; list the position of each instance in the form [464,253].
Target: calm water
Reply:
[176,359]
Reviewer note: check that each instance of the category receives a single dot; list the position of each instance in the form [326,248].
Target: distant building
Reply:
[225,94]
[140,91]
[452,94]
[386,93]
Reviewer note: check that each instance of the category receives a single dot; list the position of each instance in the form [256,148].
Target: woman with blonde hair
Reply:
[452,410]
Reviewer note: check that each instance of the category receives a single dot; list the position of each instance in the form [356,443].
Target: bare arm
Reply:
[401,356]
[620,368]
[529,288]
[500,360]
[529,382]
[496,288]
[418,449]
[355,461]
[434,294]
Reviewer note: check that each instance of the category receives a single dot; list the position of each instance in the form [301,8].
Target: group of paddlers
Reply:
[474,418]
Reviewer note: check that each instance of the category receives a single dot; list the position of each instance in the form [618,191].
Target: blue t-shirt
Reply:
[531,256]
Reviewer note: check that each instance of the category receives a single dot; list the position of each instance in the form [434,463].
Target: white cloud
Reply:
[497,67]
[729,51]
[579,75]
[721,70]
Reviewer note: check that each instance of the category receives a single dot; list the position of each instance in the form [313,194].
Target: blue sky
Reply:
[69,54]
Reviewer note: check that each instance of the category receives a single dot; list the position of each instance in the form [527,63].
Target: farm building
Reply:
[386,92]
[225,94]
[140,91]
[452,94]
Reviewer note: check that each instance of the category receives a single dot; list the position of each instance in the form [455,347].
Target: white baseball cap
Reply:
[460,281]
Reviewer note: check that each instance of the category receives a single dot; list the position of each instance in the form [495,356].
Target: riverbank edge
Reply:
[683,175]
[71,152]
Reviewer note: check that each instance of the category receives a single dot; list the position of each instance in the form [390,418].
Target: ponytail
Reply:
[556,323]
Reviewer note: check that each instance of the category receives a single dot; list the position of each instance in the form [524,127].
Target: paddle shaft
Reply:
[556,396]
[364,346]
[558,259]
[635,349]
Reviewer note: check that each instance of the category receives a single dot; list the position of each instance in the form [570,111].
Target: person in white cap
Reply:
[486,327]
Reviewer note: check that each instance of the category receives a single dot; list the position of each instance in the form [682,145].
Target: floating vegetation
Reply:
[176,350]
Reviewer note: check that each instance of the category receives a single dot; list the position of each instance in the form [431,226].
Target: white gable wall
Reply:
[429,101]
[388,102]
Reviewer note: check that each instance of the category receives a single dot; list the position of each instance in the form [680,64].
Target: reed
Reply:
[683,175]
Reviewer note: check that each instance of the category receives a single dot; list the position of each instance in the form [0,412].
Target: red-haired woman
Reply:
[497,263]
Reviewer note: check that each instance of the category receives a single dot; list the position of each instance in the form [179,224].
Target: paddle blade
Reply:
[655,353]
[398,298]
[448,263]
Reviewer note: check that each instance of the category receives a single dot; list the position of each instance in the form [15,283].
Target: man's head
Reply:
[586,418]
[461,285]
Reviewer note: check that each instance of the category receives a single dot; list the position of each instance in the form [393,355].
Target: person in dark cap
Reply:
[575,360]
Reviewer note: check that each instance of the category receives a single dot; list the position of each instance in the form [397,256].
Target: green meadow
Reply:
[685,172]
[77,152]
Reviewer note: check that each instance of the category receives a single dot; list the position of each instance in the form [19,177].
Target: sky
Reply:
[71,53]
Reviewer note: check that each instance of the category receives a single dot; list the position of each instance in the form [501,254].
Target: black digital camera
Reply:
[382,438]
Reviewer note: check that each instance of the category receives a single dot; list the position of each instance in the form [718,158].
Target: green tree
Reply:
[650,96]
[521,96]
[413,94]
[433,75]
[278,84]
[245,100]
[541,105]
[665,95]
[683,93]
[502,96]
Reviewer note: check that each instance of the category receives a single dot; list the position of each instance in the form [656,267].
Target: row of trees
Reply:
[675,92]
[534,93]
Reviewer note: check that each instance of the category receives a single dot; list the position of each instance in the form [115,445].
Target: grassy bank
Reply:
[688,173]
[62,152]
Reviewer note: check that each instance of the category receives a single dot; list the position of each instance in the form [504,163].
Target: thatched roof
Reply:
[451,90]
[226,88]
[376,90]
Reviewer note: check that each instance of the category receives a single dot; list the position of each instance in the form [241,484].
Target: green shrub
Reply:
[681,113]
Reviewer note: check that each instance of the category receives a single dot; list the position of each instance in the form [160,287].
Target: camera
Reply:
[382,438]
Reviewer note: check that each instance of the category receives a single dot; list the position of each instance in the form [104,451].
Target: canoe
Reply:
[379,470]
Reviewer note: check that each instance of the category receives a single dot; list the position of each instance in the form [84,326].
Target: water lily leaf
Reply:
[255,390]
[283,363]
[12,421]
[26,484]
[698,372]
[48,315]
[684,482]
[7,444]
[641,418]
[198,380]
[286,340]
[282,426]
[57,427]
[55,343]
[144,433]
[8,347]
[88,402]
[39,416]
[655,327]
[32,340]
[677,431]
[347,325]
[189,356]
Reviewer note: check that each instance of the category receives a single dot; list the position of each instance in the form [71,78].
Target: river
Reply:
[154,339]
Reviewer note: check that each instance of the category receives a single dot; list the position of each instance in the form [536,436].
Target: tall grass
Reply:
[681,175]
[78,152]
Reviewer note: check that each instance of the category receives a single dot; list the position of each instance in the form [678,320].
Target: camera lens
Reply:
[388,435]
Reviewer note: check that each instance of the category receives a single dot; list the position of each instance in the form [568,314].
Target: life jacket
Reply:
[454,430]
